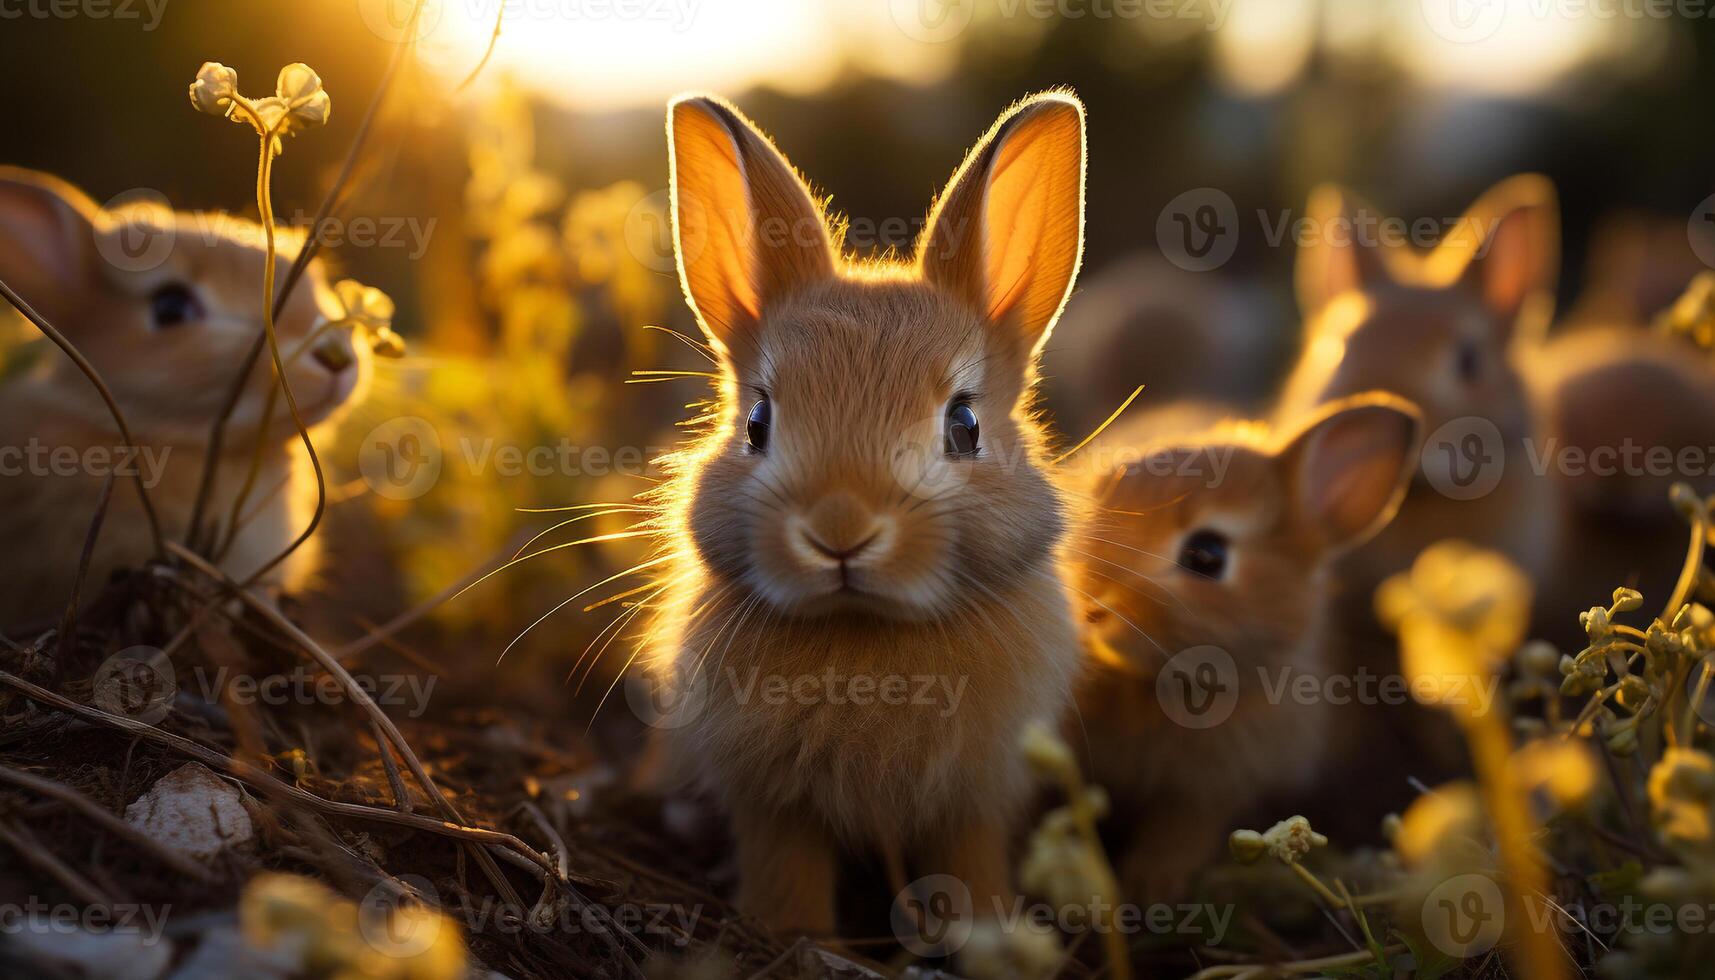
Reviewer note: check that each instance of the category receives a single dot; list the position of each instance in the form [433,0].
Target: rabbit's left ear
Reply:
[1348,468]
[1008,232]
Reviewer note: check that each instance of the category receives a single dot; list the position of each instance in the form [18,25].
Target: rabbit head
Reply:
[1224,539]
[1437,328]
[165,306]
[873,447]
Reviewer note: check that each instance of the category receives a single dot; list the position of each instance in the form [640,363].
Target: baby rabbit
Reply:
[164,306]
[1207,579]
[867,507]
[1511,416]
[1443,331]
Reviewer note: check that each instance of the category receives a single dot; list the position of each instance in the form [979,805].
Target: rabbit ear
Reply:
[1008,232]
[47,231]
[1507,247]
[745,228]
[1342,254]
[1349,467]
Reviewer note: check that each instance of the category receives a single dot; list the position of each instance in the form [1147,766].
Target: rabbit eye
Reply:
[173,304]
[757,424]
[1204,553]
[961,430]
[1470,362]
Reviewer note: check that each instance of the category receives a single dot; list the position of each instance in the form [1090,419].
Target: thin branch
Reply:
[106,393]
[266,783]
[68,625]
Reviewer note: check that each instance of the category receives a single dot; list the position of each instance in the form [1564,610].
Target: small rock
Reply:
[192,810]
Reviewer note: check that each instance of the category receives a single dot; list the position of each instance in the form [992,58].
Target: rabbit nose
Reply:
[840,527]
[333,354]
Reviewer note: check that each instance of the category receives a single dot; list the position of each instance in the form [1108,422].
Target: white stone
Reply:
[194,811]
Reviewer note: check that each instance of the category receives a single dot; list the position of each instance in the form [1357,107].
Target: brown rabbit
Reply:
[1207,577]
[1443,330]
[868,502]
[164,306]
[1459,330]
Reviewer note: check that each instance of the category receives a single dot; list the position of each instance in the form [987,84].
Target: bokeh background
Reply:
[519,221]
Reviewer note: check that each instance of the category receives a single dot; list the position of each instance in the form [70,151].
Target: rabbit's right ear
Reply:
[1349,467]
[47,235]
[1342,251]
[745,228]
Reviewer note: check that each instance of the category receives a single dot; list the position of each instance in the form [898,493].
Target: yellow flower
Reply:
[1563,768]
[1047,753]
[215,88]
[1681,790]
[1460,611]
[332,938]
[371,310]
[1442,825]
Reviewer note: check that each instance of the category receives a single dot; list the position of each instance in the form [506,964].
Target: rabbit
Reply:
[1463,332]
[1443,330]
[868,499]
[1216,548]
[164,306]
